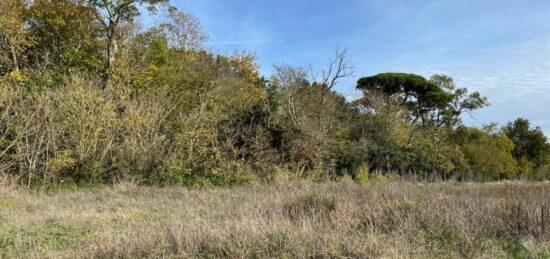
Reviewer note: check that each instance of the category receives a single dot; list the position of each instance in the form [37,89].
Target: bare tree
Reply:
[338,69]
[183,30]
[313,108]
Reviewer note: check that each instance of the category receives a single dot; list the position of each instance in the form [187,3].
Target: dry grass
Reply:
[285,219]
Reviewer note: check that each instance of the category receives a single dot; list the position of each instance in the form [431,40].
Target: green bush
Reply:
[362,174]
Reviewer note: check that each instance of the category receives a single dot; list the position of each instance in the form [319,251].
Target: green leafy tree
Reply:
[111,14]
[14,38]
[531,145]
[67,36]
[488,151]
[427,105]
[413,92]
[148,56]
[461,102]
[435,102]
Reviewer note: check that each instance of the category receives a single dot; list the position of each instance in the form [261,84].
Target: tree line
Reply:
[88,96]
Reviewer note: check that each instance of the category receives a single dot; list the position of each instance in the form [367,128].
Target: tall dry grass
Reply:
[284,219]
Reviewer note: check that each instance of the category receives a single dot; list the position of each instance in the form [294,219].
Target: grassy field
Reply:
[283,220]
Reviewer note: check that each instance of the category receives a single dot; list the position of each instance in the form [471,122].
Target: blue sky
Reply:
[498,47]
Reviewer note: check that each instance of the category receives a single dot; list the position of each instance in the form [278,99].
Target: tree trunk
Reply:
[14,57]
[112,50]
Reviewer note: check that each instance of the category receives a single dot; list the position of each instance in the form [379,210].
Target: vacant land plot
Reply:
[283,219]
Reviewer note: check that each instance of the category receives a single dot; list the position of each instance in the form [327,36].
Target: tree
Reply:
[146,57]
[416,95]
[426,104]
[310,113]
[461,102]
[14,38]
[67,36]
[111,14]
[488,151]
[530,144]
[184,30]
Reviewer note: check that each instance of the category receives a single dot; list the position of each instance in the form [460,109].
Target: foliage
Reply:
[488,152]
[111,14]
[66,37]
[413,92]
[14,38]
[87,97]
[530,145]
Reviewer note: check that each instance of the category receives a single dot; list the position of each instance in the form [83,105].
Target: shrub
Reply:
[346,179]
[310,206]
[361,174]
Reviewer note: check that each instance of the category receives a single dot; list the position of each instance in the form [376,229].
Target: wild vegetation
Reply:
[94,102]
[87,96]
[286,219]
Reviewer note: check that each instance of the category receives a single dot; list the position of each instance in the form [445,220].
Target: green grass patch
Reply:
[7,202]
[21,241]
